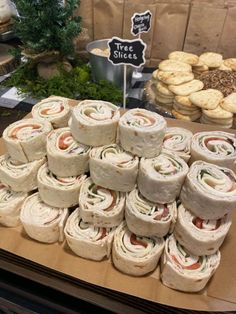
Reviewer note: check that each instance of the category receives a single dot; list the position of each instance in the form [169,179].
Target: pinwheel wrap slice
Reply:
[10,206]
[99,206]
[55,110]
[149,219]
[56,191]
[42,222]
[177,141]
[94,122]
[86,240]
[184,272]
[199,236]
[209,191]
[216,147]
[135,255]
[66,157]
[113,168]
[19,177]
[141,132]
[25,140]
[160,179]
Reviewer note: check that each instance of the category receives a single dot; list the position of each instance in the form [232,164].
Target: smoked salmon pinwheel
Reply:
[160,179]
[178,140]
[100,206]
[25,139]
[94,122]
[200,236]
[149,219]
[19,177]
[183,271]
[10,206]
[141,132]
[55,110]
[58,191]
[86,240]
[135,255]
[216,147]
[41,221]
[113,168]
[66,157]
[209,191]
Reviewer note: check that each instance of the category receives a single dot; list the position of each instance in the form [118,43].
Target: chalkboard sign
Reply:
[141,22]
[130,52]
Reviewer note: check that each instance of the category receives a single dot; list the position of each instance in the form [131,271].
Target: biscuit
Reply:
[175,78]
[163,89]
[231,63]
[185,57]
[184,102]
[164,100]
[222,124]
[185,110]
[211,59]
[180,116]
[206,99]
[201,68]
[174,66]
[164,96]
[154,75]
[217,113]
[229,103]
[223,67]
[186,88]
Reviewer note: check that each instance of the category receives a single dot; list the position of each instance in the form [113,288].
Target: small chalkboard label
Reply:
[130,52]
[141,22]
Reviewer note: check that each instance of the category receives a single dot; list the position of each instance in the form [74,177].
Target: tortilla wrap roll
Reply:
[99,206]
[86,240]
[42,222]
[19,177]
[148,219]
[56,191]
[113,168]
[183,271]
[135,255]
[25,140]
[66,157]
[94,122]
[160,179]
[141,132]
[55,110]
[209,191]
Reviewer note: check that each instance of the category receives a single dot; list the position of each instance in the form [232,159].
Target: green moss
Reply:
[76,84]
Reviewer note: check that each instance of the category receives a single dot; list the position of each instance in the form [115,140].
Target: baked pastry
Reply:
[134,255]
[209,191]
[183,271]
[113,168]
[94,122]
[10,206]
[99,206]
[178,140]
[56,191]
[41,221]
[66,157]
[160,179]
[145,218]
[141,132]
[199,236]
[25,139]
[53,109]
[216,147]
[19,177]
[86,240]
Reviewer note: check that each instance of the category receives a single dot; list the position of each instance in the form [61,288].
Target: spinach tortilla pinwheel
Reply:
[185,272]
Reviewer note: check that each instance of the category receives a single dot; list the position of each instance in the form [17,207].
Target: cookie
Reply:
[164,100]
[185,57]
[174,66]
[217,113]
[163,89]
[185,110]
[206,99]
[223,67]
[211,59]
[186,88]
[180,116]
[229,103]
[174,78]
[185,102]
[231,63]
